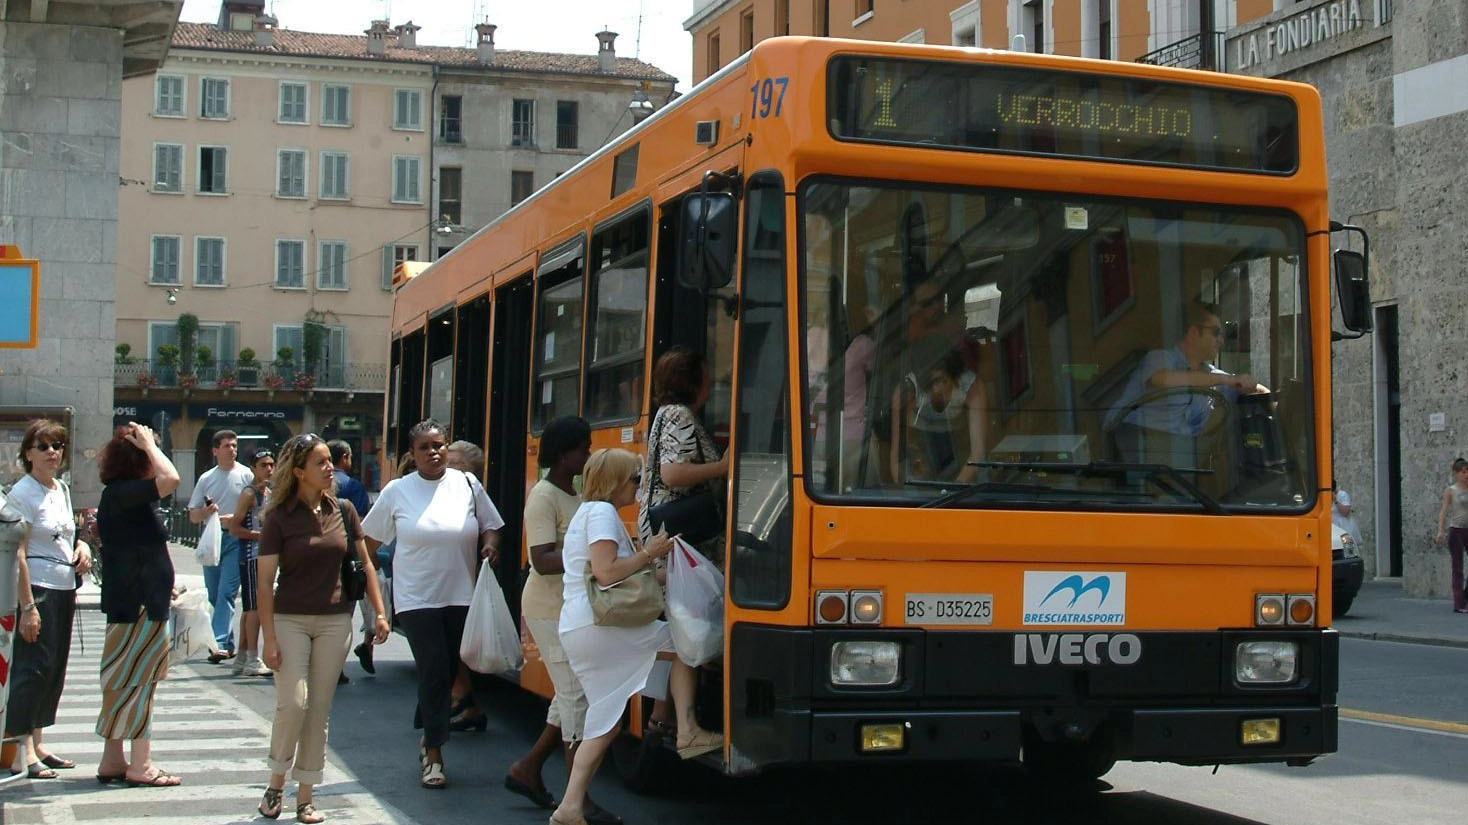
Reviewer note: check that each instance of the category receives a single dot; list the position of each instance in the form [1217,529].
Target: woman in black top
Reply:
[136,592]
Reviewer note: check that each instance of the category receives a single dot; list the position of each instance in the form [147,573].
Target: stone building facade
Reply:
[1396,106]
[61,75]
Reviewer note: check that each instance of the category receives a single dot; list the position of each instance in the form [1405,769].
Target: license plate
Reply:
[949,608]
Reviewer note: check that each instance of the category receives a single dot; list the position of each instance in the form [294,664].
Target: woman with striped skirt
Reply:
[136,592]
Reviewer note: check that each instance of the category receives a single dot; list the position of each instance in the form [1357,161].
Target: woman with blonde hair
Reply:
[613,663]
[306,620]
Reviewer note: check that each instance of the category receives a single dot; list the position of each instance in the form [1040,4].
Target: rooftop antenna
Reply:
[637,45]
[479,15]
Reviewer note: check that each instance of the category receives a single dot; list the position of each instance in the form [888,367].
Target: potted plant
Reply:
[226,381]
[146,381]
[249,368]
[304,381]
[187,381]
[204,361]
[285,361]
[188,336]
[124,354]
[166,369]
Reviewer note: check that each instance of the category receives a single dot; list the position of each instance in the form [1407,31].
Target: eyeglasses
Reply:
[636,478]
[48,446]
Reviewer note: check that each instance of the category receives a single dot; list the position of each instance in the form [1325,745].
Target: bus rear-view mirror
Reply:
[1353,289]
[710,234]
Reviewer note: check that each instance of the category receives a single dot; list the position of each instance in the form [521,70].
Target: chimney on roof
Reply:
[377,38]
[407,35]
[486,41]
[265,31]
[606,55]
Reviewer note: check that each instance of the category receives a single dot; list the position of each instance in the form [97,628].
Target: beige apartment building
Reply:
[274,178]
[1163,31]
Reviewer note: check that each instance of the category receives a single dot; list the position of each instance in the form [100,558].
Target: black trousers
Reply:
[434,635]
[38,669]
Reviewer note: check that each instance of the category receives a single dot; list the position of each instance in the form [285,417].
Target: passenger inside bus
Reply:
[942,408]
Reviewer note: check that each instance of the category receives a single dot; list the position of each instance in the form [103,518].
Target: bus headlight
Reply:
[1266,663]
[866,664]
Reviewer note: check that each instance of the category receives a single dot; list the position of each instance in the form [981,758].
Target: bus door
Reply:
[514,308]
[695,316]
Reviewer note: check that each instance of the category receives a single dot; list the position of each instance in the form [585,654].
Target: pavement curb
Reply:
[1404,639]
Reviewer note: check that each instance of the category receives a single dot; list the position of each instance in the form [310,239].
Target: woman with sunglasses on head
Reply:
[50,562]
[613,663]
[245,526]
[307,622]
[136,595]
[443,523]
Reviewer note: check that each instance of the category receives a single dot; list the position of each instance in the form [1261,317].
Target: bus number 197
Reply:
[767,102]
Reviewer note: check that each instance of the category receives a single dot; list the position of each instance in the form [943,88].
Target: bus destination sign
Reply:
[1031,111]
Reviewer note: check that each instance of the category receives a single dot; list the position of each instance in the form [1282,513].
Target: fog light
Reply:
[884,737]
[830,606]
[1269,609]
[1259,732]
[866,664]
[866,607]
[1302,608]
[1266,663]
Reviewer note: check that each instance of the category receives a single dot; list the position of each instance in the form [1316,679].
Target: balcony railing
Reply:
[1187,53]
[146,374]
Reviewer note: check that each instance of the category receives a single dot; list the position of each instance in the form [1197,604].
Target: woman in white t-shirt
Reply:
[613,663]
[444,523]
[49,562]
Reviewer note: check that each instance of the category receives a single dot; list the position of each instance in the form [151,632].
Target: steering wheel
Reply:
[1220,404]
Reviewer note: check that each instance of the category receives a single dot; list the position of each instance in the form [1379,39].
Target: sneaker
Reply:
[258,668]
[241,664]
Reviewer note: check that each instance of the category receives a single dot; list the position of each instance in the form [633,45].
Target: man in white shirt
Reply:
[1340,514]
[218,491]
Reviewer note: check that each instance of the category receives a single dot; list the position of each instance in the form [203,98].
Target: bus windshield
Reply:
[1008,349]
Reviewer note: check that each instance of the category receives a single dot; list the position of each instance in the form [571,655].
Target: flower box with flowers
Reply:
[227,382]
[188,381]
[273,381]
[146,380]
[304,381]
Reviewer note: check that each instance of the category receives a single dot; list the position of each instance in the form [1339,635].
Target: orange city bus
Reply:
[1023,365]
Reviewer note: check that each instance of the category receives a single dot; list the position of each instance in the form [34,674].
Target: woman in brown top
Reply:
[306,623]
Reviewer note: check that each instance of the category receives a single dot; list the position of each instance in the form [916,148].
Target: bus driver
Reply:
[1165,428]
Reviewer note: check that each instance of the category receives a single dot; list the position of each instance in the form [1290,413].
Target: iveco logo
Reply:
[1077,648]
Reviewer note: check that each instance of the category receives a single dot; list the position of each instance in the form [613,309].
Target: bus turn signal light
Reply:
[1269,609]
[1302,609]
[831,606]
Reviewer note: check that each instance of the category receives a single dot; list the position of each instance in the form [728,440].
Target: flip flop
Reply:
[36,770]
[161,779]
[54,761]
[540,796]
[111,778]
[597,815]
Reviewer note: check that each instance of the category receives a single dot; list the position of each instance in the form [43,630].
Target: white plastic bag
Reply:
[491,641]
[190,631]
[695,605]
[207,550]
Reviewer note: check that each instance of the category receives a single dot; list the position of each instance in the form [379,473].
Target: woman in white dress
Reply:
[613,663]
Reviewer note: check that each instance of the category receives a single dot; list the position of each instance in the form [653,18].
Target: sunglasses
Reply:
[47,446]
[263,455]
[305,440]
[636,478]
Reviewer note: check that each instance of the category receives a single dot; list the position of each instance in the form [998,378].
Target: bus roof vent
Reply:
[706,132]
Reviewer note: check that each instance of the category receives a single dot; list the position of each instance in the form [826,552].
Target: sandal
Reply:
[540,796]
[700,743]
[161,779]
[657,728]
[36,770]
[306,812]
[433,777]
[270,804]
[54,761]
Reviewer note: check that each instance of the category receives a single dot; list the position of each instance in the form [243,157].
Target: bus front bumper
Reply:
[962,697]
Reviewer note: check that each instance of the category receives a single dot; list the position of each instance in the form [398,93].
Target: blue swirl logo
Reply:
[1078,587]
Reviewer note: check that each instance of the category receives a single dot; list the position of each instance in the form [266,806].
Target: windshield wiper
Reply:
[1169,478]
[976,487]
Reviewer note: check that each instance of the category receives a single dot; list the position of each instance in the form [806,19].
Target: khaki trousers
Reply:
[312,651]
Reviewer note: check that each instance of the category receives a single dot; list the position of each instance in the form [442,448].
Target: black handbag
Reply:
[354,571]
[697,517]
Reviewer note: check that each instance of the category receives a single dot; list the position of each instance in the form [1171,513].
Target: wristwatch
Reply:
[27,608]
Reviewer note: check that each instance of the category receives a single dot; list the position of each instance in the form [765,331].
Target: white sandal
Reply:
[433,777]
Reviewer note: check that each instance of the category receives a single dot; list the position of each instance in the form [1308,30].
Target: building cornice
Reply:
[707,13]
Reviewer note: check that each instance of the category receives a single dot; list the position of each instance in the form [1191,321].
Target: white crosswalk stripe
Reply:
[217,743]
